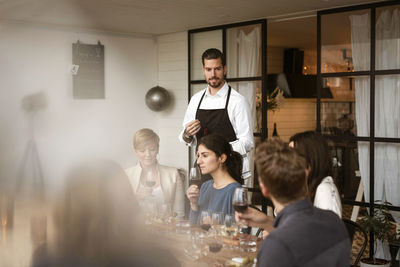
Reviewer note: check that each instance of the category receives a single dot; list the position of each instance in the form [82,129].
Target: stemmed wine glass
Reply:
[240,201]
[150,206]
[205,220]
[195,176]
[231,227]
[217,221]
[214,246]
[165,212]
[150,180]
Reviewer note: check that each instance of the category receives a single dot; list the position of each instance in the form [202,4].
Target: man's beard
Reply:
[217,84]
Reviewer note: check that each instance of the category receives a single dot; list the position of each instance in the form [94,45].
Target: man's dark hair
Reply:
[282,170]
[213,53]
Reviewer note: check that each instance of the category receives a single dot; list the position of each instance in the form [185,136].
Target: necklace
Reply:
[220,186]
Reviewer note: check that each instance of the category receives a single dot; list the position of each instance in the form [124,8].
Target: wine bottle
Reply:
[275,132]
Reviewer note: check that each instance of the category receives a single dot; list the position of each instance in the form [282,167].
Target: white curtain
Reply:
[360,44]
[249,61]
[248,64]
[387,105]
[387,113]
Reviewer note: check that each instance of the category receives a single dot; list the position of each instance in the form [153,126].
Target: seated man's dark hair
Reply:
[282,170]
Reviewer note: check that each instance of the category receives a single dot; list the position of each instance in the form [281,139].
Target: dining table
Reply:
[190,245]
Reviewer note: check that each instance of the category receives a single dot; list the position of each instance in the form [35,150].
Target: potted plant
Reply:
[394,246]
[379,223]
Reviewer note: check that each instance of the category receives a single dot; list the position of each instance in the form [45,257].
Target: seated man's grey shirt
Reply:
[306,236]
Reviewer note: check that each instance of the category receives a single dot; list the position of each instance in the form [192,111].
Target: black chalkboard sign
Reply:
[88,71]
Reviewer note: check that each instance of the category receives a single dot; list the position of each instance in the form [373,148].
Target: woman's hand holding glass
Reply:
[193,194]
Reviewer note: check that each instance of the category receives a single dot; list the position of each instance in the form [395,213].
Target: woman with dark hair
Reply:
[321,187]
[215,157]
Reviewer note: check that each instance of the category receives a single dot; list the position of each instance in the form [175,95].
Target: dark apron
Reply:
[214,121]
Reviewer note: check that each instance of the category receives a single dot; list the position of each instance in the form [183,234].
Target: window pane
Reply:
[387,172]
[347,112]
[196,88]
[387,157]
[243,55]
[299,36]
[345,167]
[362,172]
[293,116]
[387,106]
[199,43]
[387,38]
[337,113]
[252,92]
[345,41]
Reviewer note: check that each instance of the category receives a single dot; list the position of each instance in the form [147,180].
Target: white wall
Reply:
[36,60]
[173,75]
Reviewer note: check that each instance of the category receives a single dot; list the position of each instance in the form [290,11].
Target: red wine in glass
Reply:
[215,247]
[195,176]
[205,227]
[240,207]
[150,183]
[195,182]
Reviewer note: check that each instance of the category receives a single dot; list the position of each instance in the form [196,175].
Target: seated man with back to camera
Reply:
[304,235]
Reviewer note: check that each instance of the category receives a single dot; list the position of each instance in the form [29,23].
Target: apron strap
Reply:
[201,99]
[227,98]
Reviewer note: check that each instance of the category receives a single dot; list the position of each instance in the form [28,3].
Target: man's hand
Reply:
[191,129]
[254,218]
[193,194]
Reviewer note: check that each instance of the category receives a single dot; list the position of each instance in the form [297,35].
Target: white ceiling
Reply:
[155,16]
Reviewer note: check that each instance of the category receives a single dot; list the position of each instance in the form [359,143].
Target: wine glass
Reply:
[150,206]
[205,220]
[165,212]
[240,200]
[214,246]
[231,227]
[217,221]
[195,176]
[150,180]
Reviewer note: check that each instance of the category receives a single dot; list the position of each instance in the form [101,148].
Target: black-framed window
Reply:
[358,59]
[227,39]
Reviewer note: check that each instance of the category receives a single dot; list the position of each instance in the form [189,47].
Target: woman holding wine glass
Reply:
[149,179]
[215,157]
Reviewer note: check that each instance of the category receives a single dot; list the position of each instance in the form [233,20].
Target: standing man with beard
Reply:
[219,109]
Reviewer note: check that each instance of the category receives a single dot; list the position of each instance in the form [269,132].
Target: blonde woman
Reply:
[149,178]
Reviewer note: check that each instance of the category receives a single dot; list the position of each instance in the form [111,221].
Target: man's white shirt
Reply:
[238,112]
